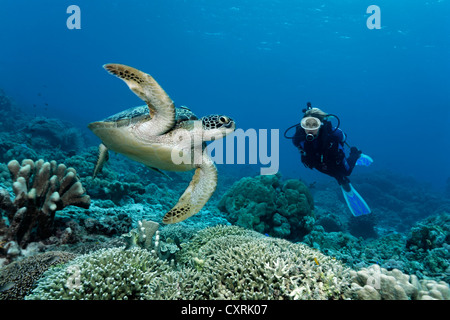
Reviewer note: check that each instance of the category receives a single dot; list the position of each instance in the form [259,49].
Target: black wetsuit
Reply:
[326,152]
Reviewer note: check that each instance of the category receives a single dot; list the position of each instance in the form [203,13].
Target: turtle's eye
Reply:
[223,119]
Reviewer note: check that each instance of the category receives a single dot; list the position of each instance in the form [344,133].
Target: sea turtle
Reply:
[163,137]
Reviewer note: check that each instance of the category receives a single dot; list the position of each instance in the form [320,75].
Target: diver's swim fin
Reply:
[364,160]
[355,202]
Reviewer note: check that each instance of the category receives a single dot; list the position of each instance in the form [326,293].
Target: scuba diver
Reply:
[322,148]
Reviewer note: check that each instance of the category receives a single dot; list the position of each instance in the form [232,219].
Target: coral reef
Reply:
[54,132]
[407,201]
[268,205]
[111,274]
[219,263]
[240,264]
[423,252]
[17,279]
[375,283]
[41,188]
[363,226]
[227,262]
[400,251]
[142,235]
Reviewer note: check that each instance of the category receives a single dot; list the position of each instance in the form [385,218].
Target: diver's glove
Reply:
[354,156]
[355,152]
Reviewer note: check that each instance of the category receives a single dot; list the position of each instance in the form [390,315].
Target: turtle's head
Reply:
[217,126]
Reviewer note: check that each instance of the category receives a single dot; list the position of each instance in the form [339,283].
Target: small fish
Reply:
[316,261]
[7,286]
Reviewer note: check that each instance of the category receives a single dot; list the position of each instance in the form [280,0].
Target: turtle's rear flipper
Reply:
[200,189]
[103,156]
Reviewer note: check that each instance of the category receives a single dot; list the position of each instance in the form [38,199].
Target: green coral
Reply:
[268,205]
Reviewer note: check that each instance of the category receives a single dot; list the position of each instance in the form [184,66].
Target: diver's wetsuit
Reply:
[326,152]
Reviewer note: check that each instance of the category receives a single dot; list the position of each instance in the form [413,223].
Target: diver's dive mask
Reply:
[311,126]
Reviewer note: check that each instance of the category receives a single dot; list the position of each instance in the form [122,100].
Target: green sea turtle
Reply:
[163,137]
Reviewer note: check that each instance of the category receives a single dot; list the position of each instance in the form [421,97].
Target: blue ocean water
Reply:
[256,61]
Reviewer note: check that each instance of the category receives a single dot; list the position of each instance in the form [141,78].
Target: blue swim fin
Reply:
[364,160]
[355,202]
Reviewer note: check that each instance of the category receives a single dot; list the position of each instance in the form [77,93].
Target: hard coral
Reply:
[41,189]
[235,263]
[268,205]
[54,132]
[18,278]
[375,283]
[222,262]
[108,274]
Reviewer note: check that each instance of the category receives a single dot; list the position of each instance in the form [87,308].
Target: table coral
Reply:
[41,189]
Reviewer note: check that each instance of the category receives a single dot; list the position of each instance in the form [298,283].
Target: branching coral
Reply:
[220,263]
[18,278]
[239,264]
[41,189]
[117,274]
[227,262]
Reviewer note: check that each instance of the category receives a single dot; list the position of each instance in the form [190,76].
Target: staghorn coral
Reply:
[41,189]
[117,274]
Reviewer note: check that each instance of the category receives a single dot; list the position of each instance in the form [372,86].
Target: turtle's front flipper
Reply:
[103,156]
[161,107]
[202,186]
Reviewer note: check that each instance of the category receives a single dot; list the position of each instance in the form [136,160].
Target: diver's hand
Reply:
[355,152]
